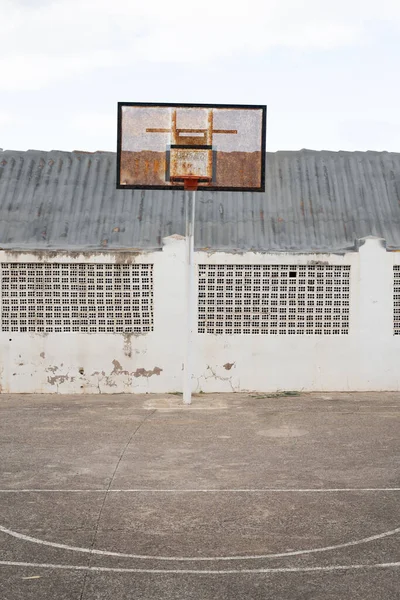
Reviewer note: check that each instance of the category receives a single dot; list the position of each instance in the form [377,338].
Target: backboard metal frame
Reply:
[181,185]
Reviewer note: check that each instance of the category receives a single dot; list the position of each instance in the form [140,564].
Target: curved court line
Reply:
[27,538]
[9,563]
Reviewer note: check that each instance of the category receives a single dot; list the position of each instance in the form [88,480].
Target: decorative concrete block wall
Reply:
[116,322]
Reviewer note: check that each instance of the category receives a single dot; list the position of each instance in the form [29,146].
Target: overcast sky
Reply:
[327,69]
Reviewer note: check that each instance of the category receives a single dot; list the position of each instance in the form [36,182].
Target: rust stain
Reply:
[192,149]
[302,207]
[116,229]
[186,162]
[228,366]
[173,126]
[104,242]
[234,169]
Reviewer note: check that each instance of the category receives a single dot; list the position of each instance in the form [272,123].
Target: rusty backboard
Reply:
[160,145]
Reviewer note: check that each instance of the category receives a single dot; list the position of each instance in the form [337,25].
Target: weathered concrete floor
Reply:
[200,498]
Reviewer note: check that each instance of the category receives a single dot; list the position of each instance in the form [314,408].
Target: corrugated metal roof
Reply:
[313,201]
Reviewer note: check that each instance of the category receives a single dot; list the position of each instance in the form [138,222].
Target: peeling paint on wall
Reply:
[318,262]
[110,379]
[228,366]
[144,373]
[124,256]
[128,344]
[211,374]
[102,373]
[118,370]
[57,379]
[111,363]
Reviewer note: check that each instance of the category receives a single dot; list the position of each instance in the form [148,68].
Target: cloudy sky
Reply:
[327,69]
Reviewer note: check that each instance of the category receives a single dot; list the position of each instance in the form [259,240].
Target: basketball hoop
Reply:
[191,147]
[190,183]
[159,145]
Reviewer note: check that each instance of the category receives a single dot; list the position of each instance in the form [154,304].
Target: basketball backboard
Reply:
[161,145]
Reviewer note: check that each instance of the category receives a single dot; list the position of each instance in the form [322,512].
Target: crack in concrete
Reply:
[146,418]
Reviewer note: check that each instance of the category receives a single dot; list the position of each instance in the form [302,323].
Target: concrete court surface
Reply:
[238,496]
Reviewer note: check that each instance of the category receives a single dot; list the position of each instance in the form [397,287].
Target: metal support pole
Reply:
[190,296]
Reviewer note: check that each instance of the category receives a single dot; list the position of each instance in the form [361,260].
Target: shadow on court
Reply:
[237,496]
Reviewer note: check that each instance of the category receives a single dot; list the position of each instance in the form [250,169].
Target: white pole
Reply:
[190,298]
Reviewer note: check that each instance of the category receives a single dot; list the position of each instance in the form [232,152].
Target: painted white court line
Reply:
[197,491]
[9,563]
[92,551]
[187,408]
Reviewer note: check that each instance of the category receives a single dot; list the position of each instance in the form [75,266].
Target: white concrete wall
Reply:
[365,359]
[74,363]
